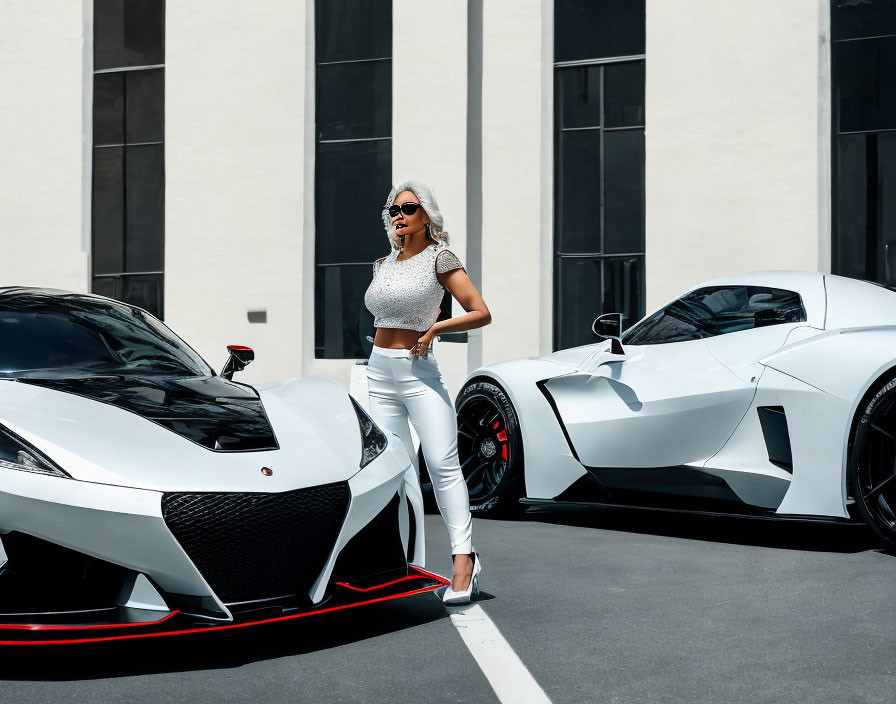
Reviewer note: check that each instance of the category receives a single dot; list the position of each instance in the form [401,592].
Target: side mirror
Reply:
[240,358]
[609,326]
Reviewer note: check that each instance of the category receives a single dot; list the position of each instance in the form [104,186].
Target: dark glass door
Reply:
[598,165]
[865,246]
[353,167]
[864,140]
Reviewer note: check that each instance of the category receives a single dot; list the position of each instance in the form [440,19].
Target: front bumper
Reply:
[211,560]
[344,596]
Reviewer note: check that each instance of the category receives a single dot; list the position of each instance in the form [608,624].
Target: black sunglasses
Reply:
[406,208]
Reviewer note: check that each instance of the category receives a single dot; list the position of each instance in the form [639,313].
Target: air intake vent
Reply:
[375,550]
[250,547]
[777,438]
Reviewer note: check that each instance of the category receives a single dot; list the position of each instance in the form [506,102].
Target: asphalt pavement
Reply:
[600,606]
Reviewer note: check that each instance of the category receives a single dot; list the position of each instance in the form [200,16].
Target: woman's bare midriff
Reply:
[395,338]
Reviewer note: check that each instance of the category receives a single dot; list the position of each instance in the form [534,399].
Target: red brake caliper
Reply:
[502,436]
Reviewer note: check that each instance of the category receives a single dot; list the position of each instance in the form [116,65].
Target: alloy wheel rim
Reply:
[876,463]
[483,445]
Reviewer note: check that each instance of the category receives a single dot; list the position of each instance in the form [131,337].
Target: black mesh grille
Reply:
[258,546]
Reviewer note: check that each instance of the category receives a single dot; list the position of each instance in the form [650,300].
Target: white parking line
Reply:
[505,672]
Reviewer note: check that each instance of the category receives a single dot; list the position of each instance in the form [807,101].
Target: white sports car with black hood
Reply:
[142,494]
[770,394]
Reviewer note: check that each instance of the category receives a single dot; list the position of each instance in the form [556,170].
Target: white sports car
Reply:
[770,394]
[141,494]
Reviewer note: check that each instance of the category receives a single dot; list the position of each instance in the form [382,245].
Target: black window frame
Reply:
[857,204]
[139,136]
[625,289]
[695,312]
[341,331]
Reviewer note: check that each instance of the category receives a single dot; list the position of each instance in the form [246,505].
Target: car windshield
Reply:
[68,336]
[717,310]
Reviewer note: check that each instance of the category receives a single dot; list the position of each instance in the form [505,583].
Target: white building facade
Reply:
[226,163]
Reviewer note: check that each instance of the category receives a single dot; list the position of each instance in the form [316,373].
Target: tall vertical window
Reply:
[353,169]
[128,224]
[598,165]
[864,140]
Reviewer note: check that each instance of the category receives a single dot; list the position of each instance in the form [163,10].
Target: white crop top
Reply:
[406,293]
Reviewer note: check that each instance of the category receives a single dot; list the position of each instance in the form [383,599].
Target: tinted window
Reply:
[128,33]
[32,341]
[108,109]
[624,95]
[865,84]
[718,310]
[586,29]
[144,111]
[349,30]
[577,209]
[65,337]
[108,210]
[145,209]
[624,192]
[598,192]
[852,19]
[354,100]
[589,287]
[578,96]
[143,290]
[864,245]
[353,165]
[128,194]
[342,321]
[863,90]
[348,227]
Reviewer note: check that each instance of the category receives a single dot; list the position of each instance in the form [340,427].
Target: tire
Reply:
[871,472]
[490,449]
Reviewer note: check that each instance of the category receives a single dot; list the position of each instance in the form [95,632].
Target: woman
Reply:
[403,377]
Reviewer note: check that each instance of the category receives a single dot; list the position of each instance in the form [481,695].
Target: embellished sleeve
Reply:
[376,265]
[446,261]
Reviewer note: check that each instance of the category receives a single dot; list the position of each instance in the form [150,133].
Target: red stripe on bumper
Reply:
[433,582]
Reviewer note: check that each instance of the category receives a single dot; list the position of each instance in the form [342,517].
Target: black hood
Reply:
[209,410]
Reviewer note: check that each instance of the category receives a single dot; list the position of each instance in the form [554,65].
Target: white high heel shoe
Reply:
[453,598]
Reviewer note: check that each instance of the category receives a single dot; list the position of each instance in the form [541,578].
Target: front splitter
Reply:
[344,596]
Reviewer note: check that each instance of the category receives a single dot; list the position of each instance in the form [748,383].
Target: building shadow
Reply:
[218,650]
[787,535]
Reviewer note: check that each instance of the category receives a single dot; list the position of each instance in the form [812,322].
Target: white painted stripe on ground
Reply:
[503,669]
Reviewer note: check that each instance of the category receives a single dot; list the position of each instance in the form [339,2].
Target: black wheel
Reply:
[490,448]
[871,473]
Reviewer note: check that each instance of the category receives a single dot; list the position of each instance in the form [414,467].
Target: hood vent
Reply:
[218,414]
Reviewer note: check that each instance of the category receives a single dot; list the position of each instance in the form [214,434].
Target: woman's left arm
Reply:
[464,292]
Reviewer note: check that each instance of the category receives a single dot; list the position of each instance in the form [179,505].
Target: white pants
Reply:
[403,389]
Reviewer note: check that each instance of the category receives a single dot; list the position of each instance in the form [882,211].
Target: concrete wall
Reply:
[234,120]
[516,177]
[429,128]
[736,153]
[737,161]
[43,192]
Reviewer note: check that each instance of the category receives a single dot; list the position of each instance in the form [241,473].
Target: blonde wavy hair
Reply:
[427,197]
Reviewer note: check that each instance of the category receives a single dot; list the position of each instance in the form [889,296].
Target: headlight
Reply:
[15,453]
[373,441]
